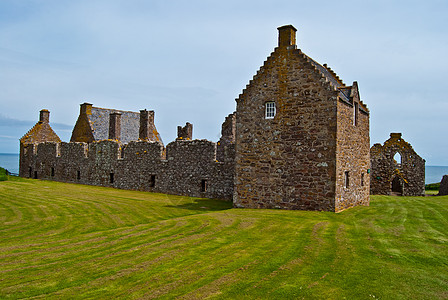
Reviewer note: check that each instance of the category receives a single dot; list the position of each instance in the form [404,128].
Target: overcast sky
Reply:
[189,60]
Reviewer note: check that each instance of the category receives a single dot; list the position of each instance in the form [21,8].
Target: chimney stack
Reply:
[115,126]
[44,116]
[395,135]
[287,36]
[86,109]
[186,132]
[146,131]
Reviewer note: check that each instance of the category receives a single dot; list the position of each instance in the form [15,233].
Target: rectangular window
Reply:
[270,110]
[111,177]
[203,185]
[30,172]
[355,114]
[152,181]
[35,174]
[78,175]
[347,180]
[52,172]
[362,179]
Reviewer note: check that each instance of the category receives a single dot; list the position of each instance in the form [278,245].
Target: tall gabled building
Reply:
[302,136]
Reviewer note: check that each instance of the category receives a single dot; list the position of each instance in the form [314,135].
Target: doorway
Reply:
[397,186]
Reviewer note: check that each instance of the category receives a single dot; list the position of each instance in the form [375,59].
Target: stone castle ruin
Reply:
[396,168]
[299,139]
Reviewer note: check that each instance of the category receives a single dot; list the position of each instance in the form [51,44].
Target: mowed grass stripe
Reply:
[81,241]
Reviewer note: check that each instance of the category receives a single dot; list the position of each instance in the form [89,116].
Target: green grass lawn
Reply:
[62,241]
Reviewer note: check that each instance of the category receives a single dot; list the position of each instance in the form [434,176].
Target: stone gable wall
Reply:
[289,161]
[190,167]
[410,173]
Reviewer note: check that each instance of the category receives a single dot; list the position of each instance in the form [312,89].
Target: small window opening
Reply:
[347,180]
[35,174]
[30,170]
[355,114]
[152,181]
[111,177]
[78,175]
[52,172]
[203,185]
[397,158]
[362,179]
[270,110]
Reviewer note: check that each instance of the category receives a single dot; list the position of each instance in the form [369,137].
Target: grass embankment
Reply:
[3,174]
[64,240]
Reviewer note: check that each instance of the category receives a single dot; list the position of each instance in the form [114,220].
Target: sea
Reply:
[10,162]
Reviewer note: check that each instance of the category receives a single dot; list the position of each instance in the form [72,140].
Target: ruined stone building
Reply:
[299,139]
[396,168]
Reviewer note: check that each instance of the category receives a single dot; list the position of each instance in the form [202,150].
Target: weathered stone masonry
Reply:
[300,134]
[299,139]
[397,168]
[190,167]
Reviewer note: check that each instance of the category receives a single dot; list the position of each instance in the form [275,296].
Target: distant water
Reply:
[10,162]
[435,173]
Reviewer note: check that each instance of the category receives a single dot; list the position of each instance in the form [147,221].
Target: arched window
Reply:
[397,158]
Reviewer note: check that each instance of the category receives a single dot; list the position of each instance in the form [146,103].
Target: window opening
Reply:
[203,185]
[52,172]
[270,110]
[30,170]
[362,179]
[78,175]
[355,114]
[347,179]
[397,158]
[152,181]
[35,174]
[111,177]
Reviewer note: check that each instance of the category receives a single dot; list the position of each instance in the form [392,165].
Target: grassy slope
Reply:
[63,240]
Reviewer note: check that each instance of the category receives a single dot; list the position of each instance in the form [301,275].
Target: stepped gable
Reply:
[93,125]
[302,136]
[346,93]
[41,131]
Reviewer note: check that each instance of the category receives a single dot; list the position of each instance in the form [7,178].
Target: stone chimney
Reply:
[287,37]
[395,135]
[146,131]
[186,132]
[44,116]
[86,109]
[115,126]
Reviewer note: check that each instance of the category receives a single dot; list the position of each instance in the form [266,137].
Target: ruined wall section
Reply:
[190,167]
[409,173]
[353,152]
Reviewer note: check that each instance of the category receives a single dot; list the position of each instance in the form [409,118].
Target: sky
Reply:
[189,60]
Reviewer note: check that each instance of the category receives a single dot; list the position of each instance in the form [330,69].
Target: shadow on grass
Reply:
[204,205]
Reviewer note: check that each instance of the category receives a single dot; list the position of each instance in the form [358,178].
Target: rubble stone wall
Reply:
[190,167]
[288,161]
[409,173]
[352,155]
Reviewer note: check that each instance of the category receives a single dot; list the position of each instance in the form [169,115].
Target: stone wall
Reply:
[281,162]
[296,159]
[443,190]
[190,167]
[389,176]
[353,152]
